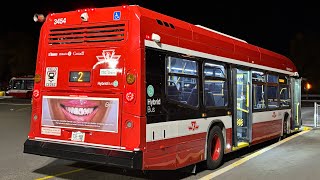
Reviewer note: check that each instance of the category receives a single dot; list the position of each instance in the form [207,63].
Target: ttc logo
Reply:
[194,126]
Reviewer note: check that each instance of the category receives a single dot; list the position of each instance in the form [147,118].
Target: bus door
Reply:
[296,102]
[242,108]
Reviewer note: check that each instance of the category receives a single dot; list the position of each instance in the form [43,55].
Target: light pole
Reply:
[307,88]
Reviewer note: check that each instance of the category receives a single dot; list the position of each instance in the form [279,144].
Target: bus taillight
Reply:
[131,78]
[36,93]
[130,96]
[37,78]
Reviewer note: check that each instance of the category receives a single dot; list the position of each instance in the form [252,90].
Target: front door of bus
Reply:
[296,103]
[242,115]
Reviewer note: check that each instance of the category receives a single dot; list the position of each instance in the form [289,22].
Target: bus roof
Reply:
[185,35]
[239,49]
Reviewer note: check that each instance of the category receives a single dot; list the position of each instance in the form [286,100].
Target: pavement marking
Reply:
[247,158]
[65,173]
[18,104]
[305,128]
[21,109]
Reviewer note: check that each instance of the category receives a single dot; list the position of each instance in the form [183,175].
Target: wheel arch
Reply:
[220,124]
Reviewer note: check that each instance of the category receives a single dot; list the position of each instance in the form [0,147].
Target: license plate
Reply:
[77,136]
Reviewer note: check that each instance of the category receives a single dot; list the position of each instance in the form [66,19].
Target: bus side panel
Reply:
[267,125]
[175,152]
[133,137]
[191,151]
[158,156]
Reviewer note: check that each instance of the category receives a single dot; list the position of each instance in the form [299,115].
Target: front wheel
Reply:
[215,148]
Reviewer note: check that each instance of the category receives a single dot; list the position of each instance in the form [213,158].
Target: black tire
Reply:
[29,95]
[215,143]
[285,124]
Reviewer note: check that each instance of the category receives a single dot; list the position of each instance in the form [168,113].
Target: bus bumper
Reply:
[123,159]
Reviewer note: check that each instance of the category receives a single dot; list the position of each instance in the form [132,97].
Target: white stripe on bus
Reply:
[173,129]
[258,117]
[168,47]
[179,128]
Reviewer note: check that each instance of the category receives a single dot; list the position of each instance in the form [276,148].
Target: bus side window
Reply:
[182,81]
[272,91]
[17,84]
[284,92]
[215,85]
[29,84]
[258,89]
[193,99]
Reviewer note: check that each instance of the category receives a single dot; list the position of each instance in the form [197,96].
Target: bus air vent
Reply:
[87,34]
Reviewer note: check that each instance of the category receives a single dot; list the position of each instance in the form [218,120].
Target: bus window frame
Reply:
[287,84]
[227,80]
[265,93]
[167,74]
[273,85]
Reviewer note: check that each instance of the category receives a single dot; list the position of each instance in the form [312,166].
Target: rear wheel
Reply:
[215,148]
[29,94]
[285,125]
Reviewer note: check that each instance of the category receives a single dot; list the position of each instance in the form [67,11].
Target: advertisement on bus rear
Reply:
[98,114]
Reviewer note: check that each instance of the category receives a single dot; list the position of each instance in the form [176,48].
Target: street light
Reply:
[307,88]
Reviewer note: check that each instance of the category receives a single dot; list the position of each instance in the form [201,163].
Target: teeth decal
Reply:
[79,111]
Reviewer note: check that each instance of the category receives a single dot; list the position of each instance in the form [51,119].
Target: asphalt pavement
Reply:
[293,158]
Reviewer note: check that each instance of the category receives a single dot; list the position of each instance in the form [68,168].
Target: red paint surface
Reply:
[138,23]
[266,130]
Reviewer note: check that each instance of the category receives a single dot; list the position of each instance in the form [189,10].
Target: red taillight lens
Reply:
[36,93]
[37,78]
[130,96]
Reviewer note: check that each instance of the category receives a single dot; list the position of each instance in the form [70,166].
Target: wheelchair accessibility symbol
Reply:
[116,15]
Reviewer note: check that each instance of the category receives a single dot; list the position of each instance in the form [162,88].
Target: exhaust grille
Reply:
[88,34]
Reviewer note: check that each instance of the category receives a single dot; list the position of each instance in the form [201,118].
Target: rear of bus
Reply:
[86,98]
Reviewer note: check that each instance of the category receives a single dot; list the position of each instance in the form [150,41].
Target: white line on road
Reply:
[247,158]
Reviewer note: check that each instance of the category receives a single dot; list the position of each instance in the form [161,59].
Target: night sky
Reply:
[289,29]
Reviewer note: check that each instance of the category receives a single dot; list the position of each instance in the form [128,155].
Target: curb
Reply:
[306,128]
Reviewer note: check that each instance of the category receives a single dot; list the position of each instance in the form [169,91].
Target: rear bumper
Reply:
[131,160]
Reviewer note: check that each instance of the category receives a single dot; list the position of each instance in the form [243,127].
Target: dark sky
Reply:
[268,24]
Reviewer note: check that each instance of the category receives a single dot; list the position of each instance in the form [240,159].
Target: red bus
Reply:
[129,87]
[20,87]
